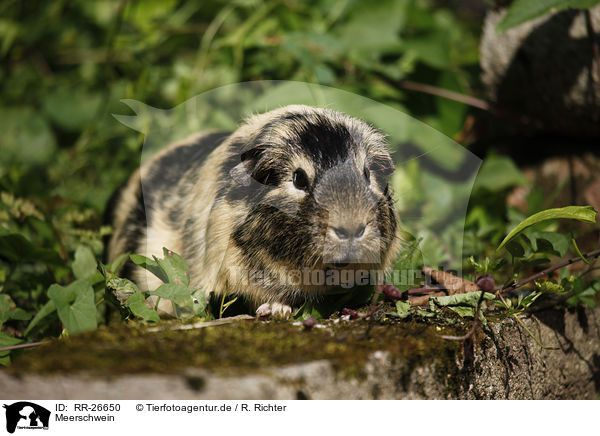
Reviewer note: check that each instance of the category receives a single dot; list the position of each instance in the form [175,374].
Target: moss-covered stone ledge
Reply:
[345,360]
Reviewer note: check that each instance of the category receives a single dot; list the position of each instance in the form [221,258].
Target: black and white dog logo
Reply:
[26,415]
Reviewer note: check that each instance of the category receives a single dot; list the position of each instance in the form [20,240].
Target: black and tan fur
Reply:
[228,204]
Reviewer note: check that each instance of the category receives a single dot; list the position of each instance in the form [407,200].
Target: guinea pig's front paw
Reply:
[275,310]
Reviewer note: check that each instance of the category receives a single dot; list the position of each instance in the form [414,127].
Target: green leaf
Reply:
[378,25]
[463,311]
[8,310]
[451,113]
[137,305]
[75,305]
[466,299]
[15,247]
[552,242]
[5,307]
[528,300]
[174,267]
[150,265]
[581,213]
[424,313]
[463,304]
[587,296]
[84,265]
[488,265]
[176,292]
[123,289]
[7,341]
[307,310]
[524,10]
[19,315]
[403,309]
[498,173]
[515,249]
[409,262]
[547,286]
[26,137]
[116,265]
[72,108]
[146,18]
[431,49]
[46,310]
[200,302]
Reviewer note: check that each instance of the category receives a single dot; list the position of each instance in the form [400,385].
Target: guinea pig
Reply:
[274,211]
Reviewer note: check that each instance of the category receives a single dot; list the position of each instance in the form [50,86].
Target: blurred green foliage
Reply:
[65,66]
[521,11]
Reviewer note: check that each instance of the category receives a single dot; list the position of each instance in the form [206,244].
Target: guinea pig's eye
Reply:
[300,179]
[367,174]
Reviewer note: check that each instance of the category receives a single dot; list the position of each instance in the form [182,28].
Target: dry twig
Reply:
[202,324]
[16,347]
[587,256]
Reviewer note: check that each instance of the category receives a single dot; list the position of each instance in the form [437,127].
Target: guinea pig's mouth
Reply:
[339,264]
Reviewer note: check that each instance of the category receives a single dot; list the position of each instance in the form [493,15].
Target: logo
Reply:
[26,415]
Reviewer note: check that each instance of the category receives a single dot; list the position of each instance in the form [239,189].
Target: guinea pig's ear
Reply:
[242,172]
[383,166]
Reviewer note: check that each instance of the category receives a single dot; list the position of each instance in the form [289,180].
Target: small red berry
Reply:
[486,283]
[309,323]
[353,314]
[390,292]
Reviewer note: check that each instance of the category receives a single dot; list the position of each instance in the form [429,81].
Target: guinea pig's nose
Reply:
[343,233]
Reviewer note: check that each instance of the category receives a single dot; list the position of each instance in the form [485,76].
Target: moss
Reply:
[235,349]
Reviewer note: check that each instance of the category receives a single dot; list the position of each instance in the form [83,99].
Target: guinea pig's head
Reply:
[315,185]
